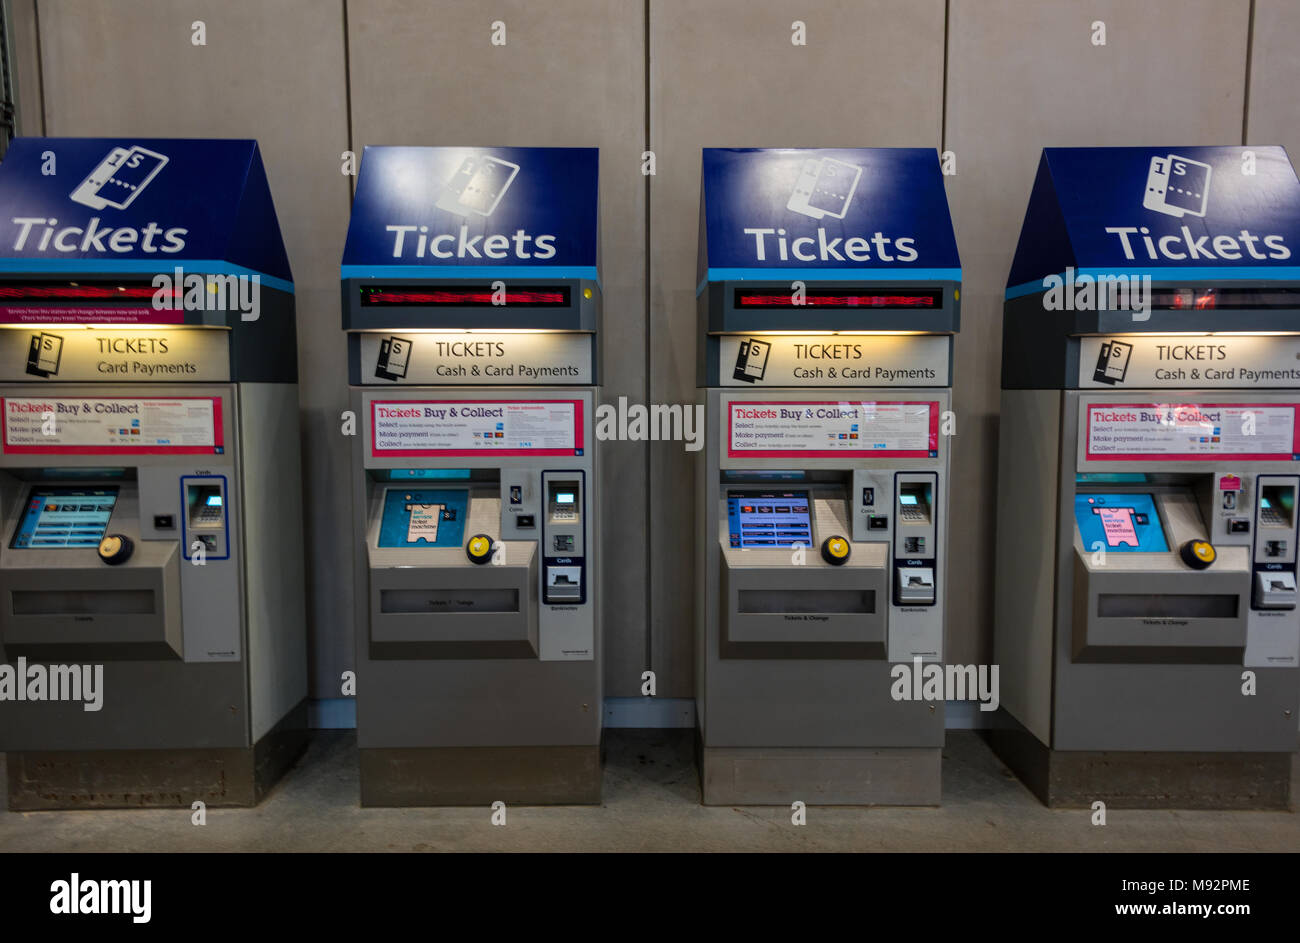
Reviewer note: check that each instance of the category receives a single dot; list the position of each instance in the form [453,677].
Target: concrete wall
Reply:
[1024,75]
[726,74]
[992,80]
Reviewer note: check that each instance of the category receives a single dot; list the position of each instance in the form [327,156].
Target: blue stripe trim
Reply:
[471,271]
[1281,273]
[333,713]
[90,266]
[834,274]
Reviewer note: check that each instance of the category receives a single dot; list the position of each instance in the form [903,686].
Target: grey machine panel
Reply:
[157,623]
[66,604]
[1192,700]
[427,603]
[531,679]
[1028,481]
[823,681]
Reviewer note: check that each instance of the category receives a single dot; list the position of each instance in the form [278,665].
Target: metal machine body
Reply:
[822,489]
[475,528]
[1146,620]
[150,484]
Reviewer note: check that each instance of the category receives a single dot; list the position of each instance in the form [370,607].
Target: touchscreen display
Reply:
[1119,522]
[769,520]
[64,517]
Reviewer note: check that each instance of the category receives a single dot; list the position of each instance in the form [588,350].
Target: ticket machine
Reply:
[828,300]
[152,632]
[472,306]
[1147,626]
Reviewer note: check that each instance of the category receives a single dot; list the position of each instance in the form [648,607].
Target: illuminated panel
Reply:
[65,302]
[1125,523]
[893,300]
[58,518]
[768,520]
[463,296]
[1254,299]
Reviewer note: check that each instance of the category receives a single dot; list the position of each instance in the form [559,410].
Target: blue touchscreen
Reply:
[768,520]
[1126,523]
[418,517]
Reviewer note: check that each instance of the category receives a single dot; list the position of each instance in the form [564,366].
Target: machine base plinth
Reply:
[1075,779]
[820,776]
[156,779]
[434,776]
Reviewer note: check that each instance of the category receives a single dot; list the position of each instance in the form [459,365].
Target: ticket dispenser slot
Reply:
[1274,561]
[563,543]
[1141,594]
[914,539]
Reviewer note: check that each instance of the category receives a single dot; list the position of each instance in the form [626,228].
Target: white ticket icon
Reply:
[825,188]
[1177,186]
[119,178]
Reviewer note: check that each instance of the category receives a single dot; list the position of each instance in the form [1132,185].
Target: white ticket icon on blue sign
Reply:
[119,178]
[825,188]
[477,186]
[1177,186]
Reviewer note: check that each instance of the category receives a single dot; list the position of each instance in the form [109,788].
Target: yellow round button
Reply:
[479,548]
[835,550]
[115,549]
[1198,554]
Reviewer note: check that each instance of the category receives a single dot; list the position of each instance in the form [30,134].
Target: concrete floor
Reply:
[651,804]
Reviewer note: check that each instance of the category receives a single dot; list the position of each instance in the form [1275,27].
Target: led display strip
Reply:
[464,296]
[1256,299]
[76,291]
[894,299]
